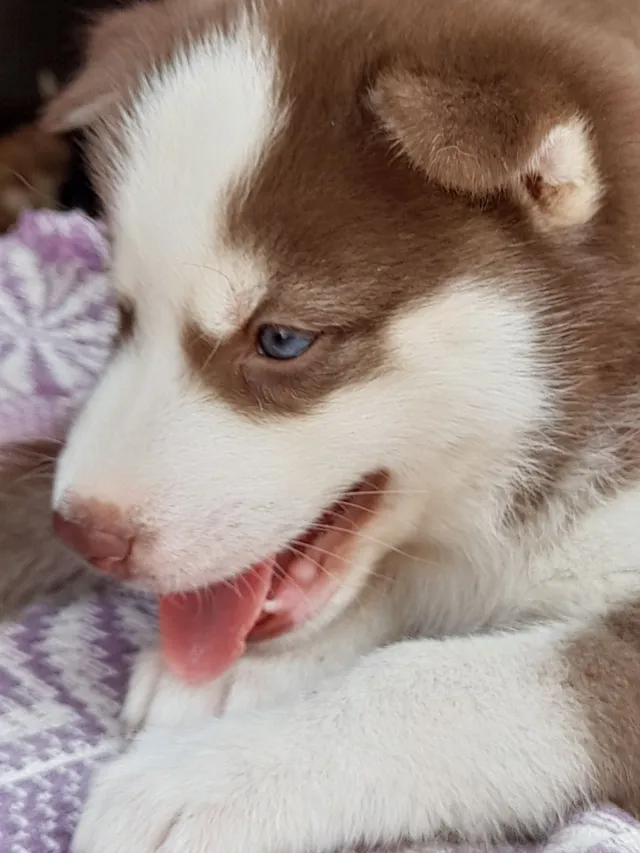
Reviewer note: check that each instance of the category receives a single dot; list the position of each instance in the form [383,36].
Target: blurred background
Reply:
[41,44]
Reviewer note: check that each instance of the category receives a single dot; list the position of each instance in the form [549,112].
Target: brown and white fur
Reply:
[449,194]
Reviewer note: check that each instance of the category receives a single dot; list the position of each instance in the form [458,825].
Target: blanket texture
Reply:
[64,667]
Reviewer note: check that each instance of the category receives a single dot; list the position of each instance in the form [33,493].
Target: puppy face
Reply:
[322,345]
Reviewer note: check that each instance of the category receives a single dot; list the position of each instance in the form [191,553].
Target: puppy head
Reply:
[320,250]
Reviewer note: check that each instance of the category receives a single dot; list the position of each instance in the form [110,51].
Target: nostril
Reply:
[106,545]
[90,541]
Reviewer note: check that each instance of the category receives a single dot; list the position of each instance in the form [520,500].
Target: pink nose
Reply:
[98,534]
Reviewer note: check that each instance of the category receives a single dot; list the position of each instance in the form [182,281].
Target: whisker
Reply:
[51,200]
[210,269]
[253,591]
[372,492]
[304,555]
[365,537]
[30,477]
[344,504]
[341,581]
[292,580]
[212,352]
[17,451]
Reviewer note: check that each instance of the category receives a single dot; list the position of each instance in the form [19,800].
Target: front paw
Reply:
[300,777]
[208,791]
[135,802]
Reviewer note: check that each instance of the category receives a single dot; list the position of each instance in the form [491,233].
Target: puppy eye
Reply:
[283,343]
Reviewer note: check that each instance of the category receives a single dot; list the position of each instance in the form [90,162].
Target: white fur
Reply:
[466,735]
[227,88]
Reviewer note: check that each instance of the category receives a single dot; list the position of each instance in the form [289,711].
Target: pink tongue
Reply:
[202,633]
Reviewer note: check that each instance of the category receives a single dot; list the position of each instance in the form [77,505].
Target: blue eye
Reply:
[282,343]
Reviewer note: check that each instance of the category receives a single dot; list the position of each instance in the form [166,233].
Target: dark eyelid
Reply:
[126,320]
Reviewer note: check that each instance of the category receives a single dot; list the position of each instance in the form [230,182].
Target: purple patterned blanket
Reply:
[63,668]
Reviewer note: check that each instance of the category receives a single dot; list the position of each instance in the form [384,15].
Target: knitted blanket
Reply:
[64,667]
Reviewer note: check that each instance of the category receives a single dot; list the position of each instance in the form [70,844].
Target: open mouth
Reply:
[203,632]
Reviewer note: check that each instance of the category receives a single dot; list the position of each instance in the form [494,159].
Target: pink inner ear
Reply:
[564,156]
[563,187]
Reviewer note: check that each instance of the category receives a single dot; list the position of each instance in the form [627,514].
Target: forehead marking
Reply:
[196,133]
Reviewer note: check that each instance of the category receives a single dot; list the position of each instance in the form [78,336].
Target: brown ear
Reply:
[480,137]
[120,44]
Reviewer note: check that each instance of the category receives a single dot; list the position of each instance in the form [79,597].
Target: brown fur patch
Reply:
[605,675]
[235,371]
[33,166]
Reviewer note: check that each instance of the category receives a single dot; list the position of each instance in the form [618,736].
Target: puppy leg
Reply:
[261,678]
[474,736]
